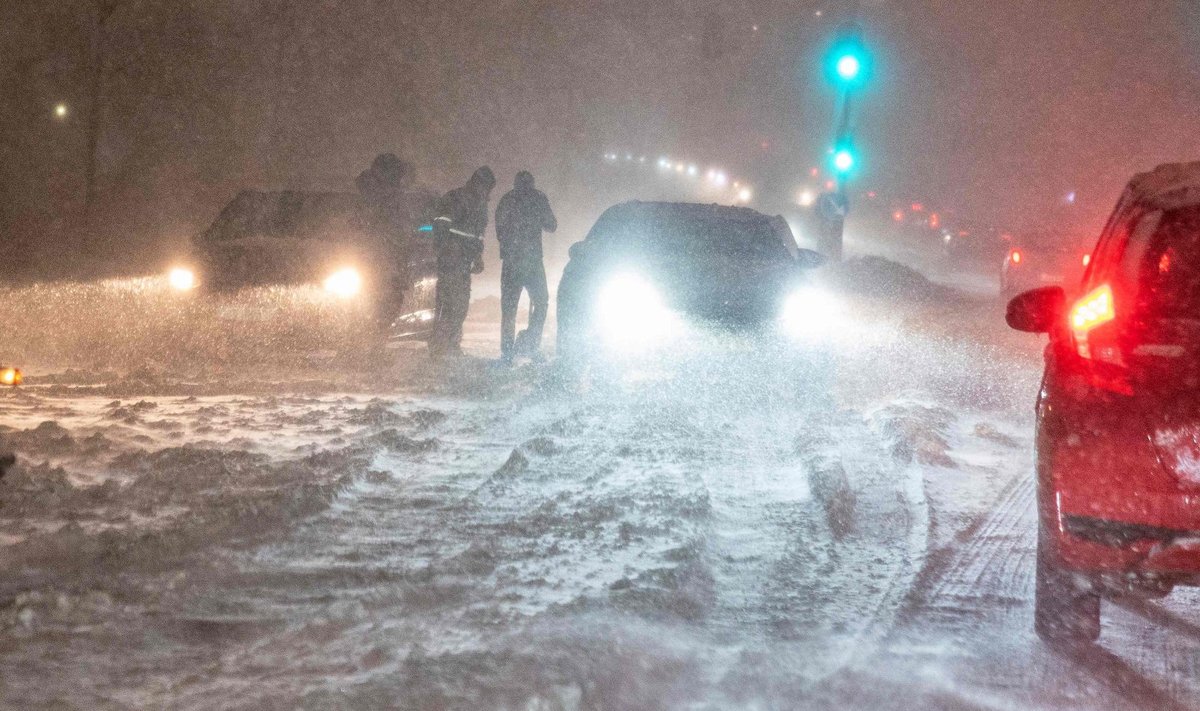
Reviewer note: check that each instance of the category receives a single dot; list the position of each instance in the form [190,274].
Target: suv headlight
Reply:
[631,314]
[181,279]
[345,283]
[810,312]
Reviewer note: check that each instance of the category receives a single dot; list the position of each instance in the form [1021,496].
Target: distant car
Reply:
[1118,414]
[1042,260]
[647,267]
[323,239]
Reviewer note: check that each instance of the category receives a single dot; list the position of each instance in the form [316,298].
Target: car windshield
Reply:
[696,233]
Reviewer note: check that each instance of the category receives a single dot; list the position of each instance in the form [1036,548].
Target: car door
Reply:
[1163,339]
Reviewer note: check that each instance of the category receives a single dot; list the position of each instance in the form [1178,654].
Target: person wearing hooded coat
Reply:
[394,210]
[521,216]
[461,218]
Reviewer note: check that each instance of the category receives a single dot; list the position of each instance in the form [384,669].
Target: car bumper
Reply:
[1089,543]
[1103,494]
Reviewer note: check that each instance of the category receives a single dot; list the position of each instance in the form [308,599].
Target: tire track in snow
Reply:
[994,558]
[829,598]
[965,637]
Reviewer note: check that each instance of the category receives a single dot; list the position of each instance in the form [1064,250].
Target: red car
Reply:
[1118,415]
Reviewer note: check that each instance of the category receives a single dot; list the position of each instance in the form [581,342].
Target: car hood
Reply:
[708,285]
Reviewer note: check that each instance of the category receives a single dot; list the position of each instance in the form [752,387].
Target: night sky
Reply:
[995,110]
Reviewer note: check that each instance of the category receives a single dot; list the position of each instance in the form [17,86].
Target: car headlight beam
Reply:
[631,314]
[811,312]
[181,279]
[345,283]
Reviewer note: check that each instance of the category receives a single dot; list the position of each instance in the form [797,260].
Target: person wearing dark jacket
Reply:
[393,209]
[522,215]
[461,218]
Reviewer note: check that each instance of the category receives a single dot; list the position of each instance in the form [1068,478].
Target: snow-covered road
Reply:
[752,525]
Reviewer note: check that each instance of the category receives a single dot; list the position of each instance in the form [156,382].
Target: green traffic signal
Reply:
[848,67]
[848,60]
[843,160]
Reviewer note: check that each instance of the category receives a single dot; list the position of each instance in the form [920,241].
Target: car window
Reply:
[1164,258]
[1106,259]
[1122,272]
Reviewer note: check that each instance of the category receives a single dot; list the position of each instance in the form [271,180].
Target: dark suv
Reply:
[647,267]
[1118,415]
[316,238]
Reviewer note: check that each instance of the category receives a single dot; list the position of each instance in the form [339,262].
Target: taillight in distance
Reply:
[1015,256]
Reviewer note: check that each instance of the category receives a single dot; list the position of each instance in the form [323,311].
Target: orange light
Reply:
[10,376]
[1015,256]
[1087,259]
[898,216]
[1094,309]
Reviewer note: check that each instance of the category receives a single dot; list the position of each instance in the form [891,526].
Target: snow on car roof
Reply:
[1169,186]
[692,224]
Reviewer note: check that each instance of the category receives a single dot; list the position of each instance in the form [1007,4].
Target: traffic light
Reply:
[845,159]
[849,61]
[848,67]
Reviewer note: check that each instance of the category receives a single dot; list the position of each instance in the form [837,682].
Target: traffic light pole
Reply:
[849,66]
[834,206]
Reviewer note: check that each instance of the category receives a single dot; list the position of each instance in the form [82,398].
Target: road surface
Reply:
[746,524]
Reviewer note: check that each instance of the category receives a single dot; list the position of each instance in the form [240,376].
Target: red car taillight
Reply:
[1098,346]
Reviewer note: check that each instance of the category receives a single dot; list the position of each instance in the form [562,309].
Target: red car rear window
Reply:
[1169,267]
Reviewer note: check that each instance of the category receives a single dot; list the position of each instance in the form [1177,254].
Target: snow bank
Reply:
[883,278]
[103,493]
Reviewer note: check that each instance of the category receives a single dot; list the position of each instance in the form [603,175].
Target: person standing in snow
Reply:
[393,211]
[461,218]
[523,213]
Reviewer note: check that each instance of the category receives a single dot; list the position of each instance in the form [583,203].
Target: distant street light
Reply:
[60,111]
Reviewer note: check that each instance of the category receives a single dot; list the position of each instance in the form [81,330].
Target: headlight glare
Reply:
[811,312]
[630,313]
[344,283]
[181,279]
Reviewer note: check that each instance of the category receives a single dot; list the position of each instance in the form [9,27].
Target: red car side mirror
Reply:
[1036,311]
